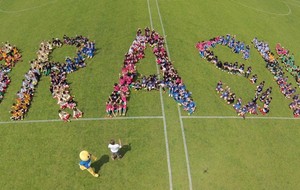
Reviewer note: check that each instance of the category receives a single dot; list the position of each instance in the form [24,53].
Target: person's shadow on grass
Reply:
[99,163]
[125,148]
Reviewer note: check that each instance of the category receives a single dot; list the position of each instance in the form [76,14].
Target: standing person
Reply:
[114,149]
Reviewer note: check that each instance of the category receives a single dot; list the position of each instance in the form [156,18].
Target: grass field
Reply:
[165,148]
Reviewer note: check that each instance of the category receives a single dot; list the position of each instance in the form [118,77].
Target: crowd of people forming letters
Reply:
[130,79]
[272,64]
[236,46]
[58,75]
[10,54]
[278,71]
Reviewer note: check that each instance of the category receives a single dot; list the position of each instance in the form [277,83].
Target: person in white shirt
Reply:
[114,149]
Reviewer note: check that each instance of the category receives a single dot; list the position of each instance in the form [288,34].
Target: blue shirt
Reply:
[86,164]
[191,105]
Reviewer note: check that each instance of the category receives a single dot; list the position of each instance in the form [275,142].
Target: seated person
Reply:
[64,116]
[77,113]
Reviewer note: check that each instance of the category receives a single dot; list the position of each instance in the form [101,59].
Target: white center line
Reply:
[179,112]
[238,117]
[150,15]
[82,119]
[163,113]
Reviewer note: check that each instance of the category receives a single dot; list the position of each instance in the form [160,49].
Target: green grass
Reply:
[46,156]
[223,153]
[244,156]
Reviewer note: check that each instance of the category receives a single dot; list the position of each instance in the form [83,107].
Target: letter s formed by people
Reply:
[238,47]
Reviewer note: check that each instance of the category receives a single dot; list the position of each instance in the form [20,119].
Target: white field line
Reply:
[150,15]
[185,149]
[293,4]
[179,112]
[163,113]
[166,137]
[267,12]
[27,9]
[146,117]
[82,119]
[237,117]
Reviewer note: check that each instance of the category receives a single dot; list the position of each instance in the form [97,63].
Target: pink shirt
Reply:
[108,107]
[122,81]
[116,88]
[124,88]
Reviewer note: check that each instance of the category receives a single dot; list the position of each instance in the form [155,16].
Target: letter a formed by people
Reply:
[130,80]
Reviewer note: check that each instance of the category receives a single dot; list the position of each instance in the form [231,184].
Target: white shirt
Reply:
[114,148]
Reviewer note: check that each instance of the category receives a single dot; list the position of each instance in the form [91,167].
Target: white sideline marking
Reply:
[145,117]
[164,116]
[150,15]
[267,12]
[179,112]
[27,9]
[185,149]
[81,119]
[237,117]
[293,3]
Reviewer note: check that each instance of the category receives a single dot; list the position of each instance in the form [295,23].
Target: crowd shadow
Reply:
[125,148]
[99,163]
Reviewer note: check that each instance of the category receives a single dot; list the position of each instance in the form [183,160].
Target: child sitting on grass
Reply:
[64,116]
[77,113]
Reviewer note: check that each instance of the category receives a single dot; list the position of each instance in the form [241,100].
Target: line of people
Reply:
[289,62]
[232,68]
[117,101]
[10,55]
[264,97]
[235,45]
[229,41]
[252,106]
[25,94]
[226,94]
[295,105]
[273,66]
[230,98]
[171,78]
[59,87]
[148,83]
[4,82]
